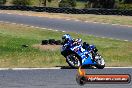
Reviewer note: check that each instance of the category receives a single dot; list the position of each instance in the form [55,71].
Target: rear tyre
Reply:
[45,42]
[100,62]
[58,42]
[100,66]
[51,41]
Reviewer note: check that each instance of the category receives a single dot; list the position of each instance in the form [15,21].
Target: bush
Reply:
[124,6]
[67,3]
[128,1]
[49,0]
[88,4]
[21,2]
[100,4]
[2,2]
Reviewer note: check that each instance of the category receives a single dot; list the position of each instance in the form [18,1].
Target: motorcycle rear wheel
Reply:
[100,62]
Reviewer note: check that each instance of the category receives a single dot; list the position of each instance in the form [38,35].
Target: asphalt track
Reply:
[97,29]
[56,78]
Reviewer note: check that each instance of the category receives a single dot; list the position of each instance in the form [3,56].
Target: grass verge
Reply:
[12,54]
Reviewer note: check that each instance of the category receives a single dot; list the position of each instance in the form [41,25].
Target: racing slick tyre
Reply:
[51,41]
[45,42]
[58,42]
[73,60]
[100,66]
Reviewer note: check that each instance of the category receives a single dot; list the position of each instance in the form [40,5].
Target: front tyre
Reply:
[100,62]
[73,61]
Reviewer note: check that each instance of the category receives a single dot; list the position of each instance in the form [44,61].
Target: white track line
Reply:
[14,23]
[115,24]
[29,26]
[20,14]
[68,19]
[96,22]
[56,30]
[50,29]
[50,68]
[112,38]
[126,40]
[43,28]
[104,23]
[118,67]
[10,13]
[40,16]
[77,20]
[103,37]
[37,27]
[23,24]
[86,21]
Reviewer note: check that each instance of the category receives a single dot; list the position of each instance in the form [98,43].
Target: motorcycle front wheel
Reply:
[73,60]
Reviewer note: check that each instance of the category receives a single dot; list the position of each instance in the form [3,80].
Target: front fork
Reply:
[93,56]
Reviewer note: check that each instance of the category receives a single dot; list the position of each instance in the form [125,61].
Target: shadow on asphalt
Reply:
[68,67]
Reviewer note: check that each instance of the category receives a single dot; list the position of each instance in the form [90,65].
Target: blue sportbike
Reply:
[82,55]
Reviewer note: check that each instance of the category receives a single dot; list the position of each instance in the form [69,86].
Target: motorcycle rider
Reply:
[68,41]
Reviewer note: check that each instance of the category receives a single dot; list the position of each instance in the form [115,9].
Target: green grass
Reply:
[80,5]
[12,54]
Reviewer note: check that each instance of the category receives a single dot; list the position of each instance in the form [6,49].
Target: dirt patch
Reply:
[47,47]
[37,14]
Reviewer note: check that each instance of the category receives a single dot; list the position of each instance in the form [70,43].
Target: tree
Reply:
[107,3]
[21,2]
[101,3]
[2,2]
[43,2]
[67,3]
[120,0]
[128,1]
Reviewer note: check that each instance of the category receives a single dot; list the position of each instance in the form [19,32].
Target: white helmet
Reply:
[66,38]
